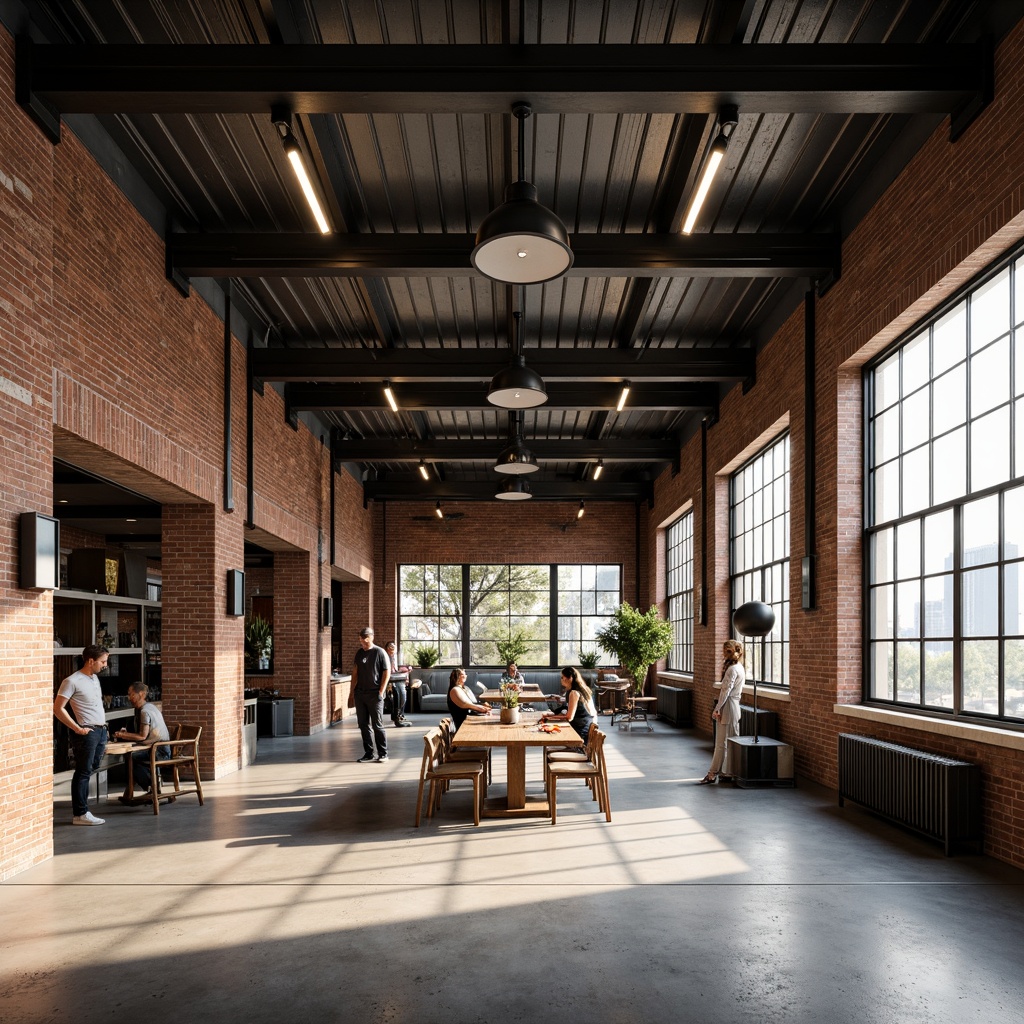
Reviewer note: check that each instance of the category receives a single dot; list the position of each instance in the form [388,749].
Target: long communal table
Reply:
[488,732]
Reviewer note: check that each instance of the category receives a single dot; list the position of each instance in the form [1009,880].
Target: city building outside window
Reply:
[944,536]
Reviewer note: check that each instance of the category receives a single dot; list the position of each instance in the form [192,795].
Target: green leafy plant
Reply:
[259,639]
[513,647]
[639,639]
[589,659]
[427,657]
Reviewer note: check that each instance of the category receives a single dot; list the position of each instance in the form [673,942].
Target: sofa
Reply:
[428,688]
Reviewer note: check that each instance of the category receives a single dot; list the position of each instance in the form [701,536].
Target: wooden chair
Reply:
[184,753]
[595,769]
[449,753]
[438,774]
[553,755]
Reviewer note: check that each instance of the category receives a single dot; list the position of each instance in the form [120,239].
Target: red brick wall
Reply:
[107,365]
[952,211]
[26,482]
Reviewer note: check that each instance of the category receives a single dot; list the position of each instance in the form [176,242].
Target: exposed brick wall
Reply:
[954,209]
[106,365]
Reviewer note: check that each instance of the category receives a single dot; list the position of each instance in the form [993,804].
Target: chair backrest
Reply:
[189,732]
[588,745]
[431,744]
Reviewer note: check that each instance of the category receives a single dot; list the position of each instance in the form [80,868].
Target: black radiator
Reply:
[675,704]
[933,795]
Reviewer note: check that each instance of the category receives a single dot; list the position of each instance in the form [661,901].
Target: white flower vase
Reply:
[509,716]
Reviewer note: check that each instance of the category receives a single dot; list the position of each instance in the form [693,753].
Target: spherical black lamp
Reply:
[754,618]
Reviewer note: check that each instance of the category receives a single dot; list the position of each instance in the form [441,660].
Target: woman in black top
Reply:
[579,709]
[460,700]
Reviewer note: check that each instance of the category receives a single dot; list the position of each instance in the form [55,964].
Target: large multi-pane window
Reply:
[759,553]
[587,597]
[463,609]
[679,567]
[945,529]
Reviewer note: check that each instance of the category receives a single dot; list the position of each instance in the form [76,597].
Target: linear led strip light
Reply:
[282,119]
[727,119]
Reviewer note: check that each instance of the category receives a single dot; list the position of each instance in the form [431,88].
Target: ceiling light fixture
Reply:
[516,458]
[282,119]
[581,511]
[598,469]
[438,512]
[516,489]
[424,472]
[517,386]
[521,241]
[727,119]
[623,396]
[390,396]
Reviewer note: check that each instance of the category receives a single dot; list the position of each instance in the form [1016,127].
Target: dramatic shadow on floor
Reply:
[302,892]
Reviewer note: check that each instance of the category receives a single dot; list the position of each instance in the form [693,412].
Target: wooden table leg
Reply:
[516,762]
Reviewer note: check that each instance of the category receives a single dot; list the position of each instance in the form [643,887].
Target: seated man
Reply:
[513,675]
[398,681]
[152,729]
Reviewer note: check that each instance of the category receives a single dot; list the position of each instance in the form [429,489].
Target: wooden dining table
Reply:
[528,696]
[489,732]
[126,748]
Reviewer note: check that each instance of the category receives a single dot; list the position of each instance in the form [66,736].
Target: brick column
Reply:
[202,679]
[301,649]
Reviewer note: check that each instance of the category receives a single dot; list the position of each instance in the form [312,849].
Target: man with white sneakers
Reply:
[88,727]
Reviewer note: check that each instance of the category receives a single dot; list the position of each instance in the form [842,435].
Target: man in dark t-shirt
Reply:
[371,671]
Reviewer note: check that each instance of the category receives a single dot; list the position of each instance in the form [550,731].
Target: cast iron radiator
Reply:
[675,704]
[933,795]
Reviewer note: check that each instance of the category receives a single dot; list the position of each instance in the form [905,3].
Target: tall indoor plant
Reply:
[639,639]
[259,641]
[513,647]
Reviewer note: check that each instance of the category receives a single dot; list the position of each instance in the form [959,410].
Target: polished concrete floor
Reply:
[301,892]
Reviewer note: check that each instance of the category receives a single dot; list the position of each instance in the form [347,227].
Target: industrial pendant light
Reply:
[516,459]
[517,386]
[522,242]
[516,489]
[728,118]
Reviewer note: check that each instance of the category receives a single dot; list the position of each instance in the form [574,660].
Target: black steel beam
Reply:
[447,255]
[576,78]
[584,490]
[414,397]
[419,365]
[572,450]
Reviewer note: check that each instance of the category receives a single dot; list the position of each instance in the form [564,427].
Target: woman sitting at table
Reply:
[579,708]
[461,703]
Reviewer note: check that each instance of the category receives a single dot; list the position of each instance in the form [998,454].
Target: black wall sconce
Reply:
[40,551]
[327,613]
[236,592]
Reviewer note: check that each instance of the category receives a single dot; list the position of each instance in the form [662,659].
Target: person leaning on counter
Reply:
[152,729]
[88,727]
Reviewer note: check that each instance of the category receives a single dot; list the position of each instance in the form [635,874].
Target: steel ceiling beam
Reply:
[413,397]
[585,490]
[443,365]
[463,79]
[556,450]
[447,255]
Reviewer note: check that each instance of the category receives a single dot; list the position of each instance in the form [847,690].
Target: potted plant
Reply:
[509,713]
[513,647]
[639,639]
[259,642]
[426,657]
[588,662]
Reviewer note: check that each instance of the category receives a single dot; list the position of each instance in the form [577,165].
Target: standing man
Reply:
[399,677]
[371,672]
[88,727]
[152,729]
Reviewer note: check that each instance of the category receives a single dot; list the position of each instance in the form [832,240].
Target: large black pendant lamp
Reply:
[517,386]
[516,459]
[522,242]
[514,489]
